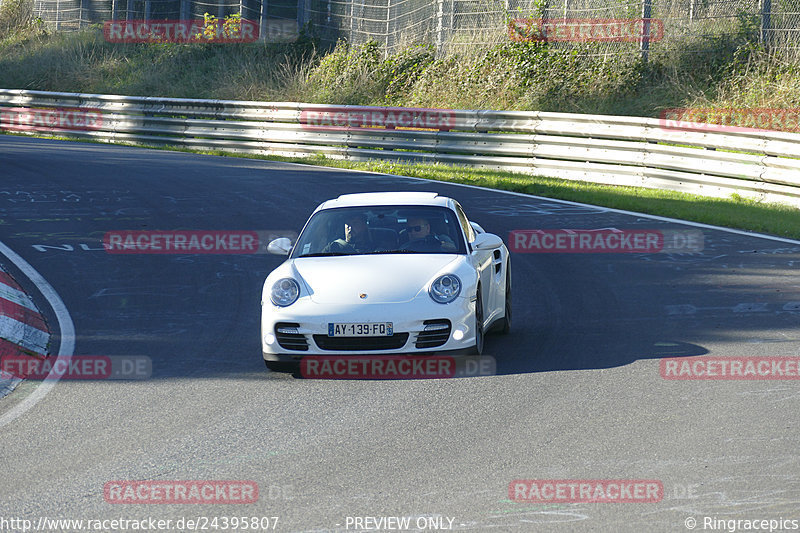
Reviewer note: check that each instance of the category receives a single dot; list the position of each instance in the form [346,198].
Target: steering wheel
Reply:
[429,243]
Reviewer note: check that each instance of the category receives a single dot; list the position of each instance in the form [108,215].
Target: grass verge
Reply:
[735,212]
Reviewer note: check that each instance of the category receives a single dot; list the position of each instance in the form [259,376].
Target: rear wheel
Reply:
[479,333]
[505,323]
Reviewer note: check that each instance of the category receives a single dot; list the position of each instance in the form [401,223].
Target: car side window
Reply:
[465,225]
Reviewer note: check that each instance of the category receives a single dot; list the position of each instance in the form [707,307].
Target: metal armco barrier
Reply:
[612,150]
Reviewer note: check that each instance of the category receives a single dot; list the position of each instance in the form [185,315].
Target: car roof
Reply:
[386,198]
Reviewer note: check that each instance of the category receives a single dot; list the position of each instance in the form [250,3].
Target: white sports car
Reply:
[385,273]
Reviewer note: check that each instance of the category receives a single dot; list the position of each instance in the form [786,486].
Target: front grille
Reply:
[288,339]
[356,344]
[435,333]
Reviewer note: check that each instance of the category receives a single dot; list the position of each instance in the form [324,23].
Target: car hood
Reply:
[383,278]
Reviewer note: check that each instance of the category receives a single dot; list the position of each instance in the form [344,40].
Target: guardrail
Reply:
[598,148]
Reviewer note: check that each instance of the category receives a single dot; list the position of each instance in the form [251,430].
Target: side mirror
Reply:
[487,241]
[280,246]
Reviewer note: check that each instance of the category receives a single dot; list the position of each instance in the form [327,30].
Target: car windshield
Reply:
[381,230]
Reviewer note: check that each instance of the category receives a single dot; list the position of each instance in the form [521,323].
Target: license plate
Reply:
[360,329]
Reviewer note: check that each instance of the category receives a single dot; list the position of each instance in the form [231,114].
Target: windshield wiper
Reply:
[324,254]
[393,252]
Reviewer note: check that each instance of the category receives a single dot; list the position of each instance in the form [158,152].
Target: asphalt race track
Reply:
[578,396]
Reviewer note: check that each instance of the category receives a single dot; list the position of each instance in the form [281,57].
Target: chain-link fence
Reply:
[68,15]
[668,25]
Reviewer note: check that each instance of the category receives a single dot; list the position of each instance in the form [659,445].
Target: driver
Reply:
[418,229]
[356,237]
[421,238]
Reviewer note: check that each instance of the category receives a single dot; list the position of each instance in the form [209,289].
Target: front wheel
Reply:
[505,323]
[478,349]
[280,366]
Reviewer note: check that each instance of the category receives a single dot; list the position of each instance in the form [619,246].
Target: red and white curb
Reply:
[23,330]
[66,338]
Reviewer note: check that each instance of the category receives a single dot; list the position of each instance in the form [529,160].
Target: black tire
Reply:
[505,323]
[280,366]
[479,333]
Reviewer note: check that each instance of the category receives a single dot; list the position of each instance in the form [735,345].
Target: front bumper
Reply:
[302,328]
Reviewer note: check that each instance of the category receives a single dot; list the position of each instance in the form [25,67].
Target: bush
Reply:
[348,75]
[16,16]
[403,70]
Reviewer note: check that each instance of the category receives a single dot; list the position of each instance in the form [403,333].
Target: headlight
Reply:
[285,292]
[445,289]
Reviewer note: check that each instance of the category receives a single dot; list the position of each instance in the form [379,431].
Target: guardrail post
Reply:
[352,22]
[766,12]
[262,23]
[645,42]
[388,21]
[303,13]
[439,27]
